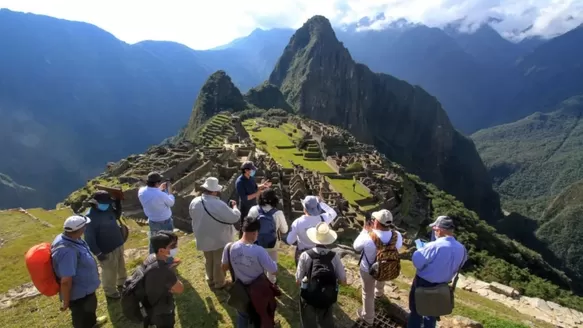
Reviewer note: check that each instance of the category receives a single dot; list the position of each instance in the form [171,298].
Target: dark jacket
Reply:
[103,234]
[263,293]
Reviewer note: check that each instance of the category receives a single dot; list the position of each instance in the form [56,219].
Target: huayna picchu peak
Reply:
[320,79]
[217,94]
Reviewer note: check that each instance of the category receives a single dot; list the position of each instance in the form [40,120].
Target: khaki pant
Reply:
[370,289]
[273,254]
[113,271]
[215,276]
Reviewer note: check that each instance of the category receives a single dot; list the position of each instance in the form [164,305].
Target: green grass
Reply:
[344,186]
[270,138]
[20,232]
[197,307]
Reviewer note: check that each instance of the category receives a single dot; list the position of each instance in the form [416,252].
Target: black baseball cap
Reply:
[155,177]
[248,166]
[100,197]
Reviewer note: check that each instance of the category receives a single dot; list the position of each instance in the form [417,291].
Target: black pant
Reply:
[160,321]
[83,311]
[312,317]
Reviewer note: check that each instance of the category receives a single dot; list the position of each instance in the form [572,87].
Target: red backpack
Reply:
[40,268]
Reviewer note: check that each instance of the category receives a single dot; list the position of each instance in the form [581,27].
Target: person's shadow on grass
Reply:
[116,316]
[193,311]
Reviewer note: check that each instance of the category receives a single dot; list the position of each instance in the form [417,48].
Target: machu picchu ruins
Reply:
[352,177]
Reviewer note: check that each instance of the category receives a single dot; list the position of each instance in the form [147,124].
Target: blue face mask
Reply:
[103,207]
[252,174]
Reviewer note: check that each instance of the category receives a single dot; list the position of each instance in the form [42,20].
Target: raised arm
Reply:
[224,212]
[422,257]
[330,214]
[360,241]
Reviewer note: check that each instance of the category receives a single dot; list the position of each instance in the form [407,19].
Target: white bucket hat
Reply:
[212,184]
[322,234]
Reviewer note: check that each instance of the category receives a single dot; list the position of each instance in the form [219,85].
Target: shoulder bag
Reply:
[437,300]
[239,297]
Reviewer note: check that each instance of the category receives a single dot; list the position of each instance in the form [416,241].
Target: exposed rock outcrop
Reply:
[267,96]
[320,79]
[218,94]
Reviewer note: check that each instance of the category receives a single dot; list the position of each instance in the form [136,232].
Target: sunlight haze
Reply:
[204,25]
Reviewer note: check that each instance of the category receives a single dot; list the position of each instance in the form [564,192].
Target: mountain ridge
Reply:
[358,99]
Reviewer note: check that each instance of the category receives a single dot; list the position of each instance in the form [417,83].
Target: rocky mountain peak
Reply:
[217,94]
[320,80]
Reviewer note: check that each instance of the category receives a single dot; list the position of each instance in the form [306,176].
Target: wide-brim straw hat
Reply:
[322,234]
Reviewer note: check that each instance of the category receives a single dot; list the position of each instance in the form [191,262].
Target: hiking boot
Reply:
[115,296]
[100,321]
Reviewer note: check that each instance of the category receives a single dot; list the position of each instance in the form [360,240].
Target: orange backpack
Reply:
[40,267]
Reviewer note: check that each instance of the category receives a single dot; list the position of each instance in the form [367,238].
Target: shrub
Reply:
[275,112]
[354,167]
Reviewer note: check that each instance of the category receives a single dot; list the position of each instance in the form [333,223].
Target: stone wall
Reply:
[191,177]
[538,308]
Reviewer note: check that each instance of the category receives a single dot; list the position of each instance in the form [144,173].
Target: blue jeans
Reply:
[159,226]
[415,320]
[242,320]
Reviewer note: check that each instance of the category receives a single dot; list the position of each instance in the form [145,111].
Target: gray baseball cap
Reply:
[443,222]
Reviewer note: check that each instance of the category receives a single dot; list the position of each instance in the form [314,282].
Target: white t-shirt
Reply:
[280,222]
[364,242]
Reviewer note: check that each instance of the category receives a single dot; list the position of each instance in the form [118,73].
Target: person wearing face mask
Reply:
[248,190]
[161,282]
[105,241]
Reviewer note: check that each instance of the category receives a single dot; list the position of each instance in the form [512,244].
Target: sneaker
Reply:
[100,321]
[359,316]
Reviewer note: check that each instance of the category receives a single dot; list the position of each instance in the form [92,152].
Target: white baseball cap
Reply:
[75,222]
[383,216]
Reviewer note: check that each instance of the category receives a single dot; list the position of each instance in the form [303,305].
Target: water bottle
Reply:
[304,283]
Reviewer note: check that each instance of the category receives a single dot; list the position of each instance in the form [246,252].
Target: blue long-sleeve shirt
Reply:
[439,260]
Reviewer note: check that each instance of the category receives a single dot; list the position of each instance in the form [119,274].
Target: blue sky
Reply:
[205,24]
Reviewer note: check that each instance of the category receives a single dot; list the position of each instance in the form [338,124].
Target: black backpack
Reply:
[322,288]
[133,295]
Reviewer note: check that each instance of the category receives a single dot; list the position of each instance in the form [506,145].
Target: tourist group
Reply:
[147,296]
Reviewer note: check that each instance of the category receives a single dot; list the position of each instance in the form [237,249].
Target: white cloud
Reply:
[205,24]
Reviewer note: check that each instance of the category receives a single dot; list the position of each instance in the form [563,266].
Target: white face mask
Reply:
[173,252]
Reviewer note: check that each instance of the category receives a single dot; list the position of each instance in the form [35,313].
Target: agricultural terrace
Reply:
[279,143]
[215,130]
